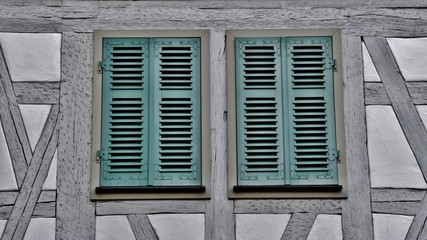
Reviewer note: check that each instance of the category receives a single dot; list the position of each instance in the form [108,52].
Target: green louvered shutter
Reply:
[176,112]
[124,112]
[310,104]
[259,112]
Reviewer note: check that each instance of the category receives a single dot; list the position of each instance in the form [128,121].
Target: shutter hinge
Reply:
[100,67]
[100,154]
[333,154]
[334,65]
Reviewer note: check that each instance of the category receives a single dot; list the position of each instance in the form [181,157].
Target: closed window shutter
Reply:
[176,112]
[311,125]
[259,112]
[124,140]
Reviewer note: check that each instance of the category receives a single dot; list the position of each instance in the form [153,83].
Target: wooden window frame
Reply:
[292,191]
[156,192]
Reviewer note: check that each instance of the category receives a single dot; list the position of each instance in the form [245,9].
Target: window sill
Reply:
[151,189]
[288,188]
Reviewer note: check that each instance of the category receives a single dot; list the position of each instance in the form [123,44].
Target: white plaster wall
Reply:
[32,56]
[411,56]
[178,226]
[113,228]
[391,161]
[7,176]
[261,226]
[34,117]
[370,73]
[391,227]
[41,228]
[50,182]
[326,227]
[2,225]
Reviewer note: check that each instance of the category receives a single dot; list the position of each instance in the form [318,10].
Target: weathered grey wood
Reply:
[418,225]
[356,217]
[45,210]
[146,207]
[299,226]
[405,110]
[141,227]
[47,196]
[287,206]
[75,211]
[5,212]
[37,172]
[77,17]
[402,208]
[375,94]
[219,210]
[417,91]
[396,195]
[8,198]
[13,126]
[36,92]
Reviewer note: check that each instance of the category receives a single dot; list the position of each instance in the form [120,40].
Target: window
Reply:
[154,121]
[283,115]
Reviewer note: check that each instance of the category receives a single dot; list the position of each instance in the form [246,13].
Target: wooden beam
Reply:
[75,211]
[288,206]
[357,215]
[299,226]
[141,227]
[402,104]
[13,125]
[418,226]
[396,195]
[146,207]
[38,169]
[37,92]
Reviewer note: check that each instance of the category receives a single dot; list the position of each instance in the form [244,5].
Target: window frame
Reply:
[99,35]
[294,191]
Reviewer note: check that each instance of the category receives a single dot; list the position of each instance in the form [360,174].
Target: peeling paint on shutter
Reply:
[124,116]
[259,114]
[176,125]
[311,105]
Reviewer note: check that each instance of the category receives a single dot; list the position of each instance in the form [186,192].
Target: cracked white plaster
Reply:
[7,175]
[411,56]
[34,117]
[178,226]
[326,227]
[370,73]
[391,227]
[41,228]
[258,226]
[391,161]
[32,56]
[113,228]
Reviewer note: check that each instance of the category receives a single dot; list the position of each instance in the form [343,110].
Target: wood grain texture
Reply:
[375,94]
[401,208]
[357,216]
[13,126]
[404,108]
[417,91]
[147,207]
[418,225]
[47,196]
[396,195]
[219,210]
[45,210]
[36,92]
[299,226]
[74,16]
[75,211]
[141,227]
[287,206]
[8,198]
[38,169]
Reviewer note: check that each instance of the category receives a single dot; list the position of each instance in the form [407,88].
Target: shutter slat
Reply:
[311,106]
[176,149]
